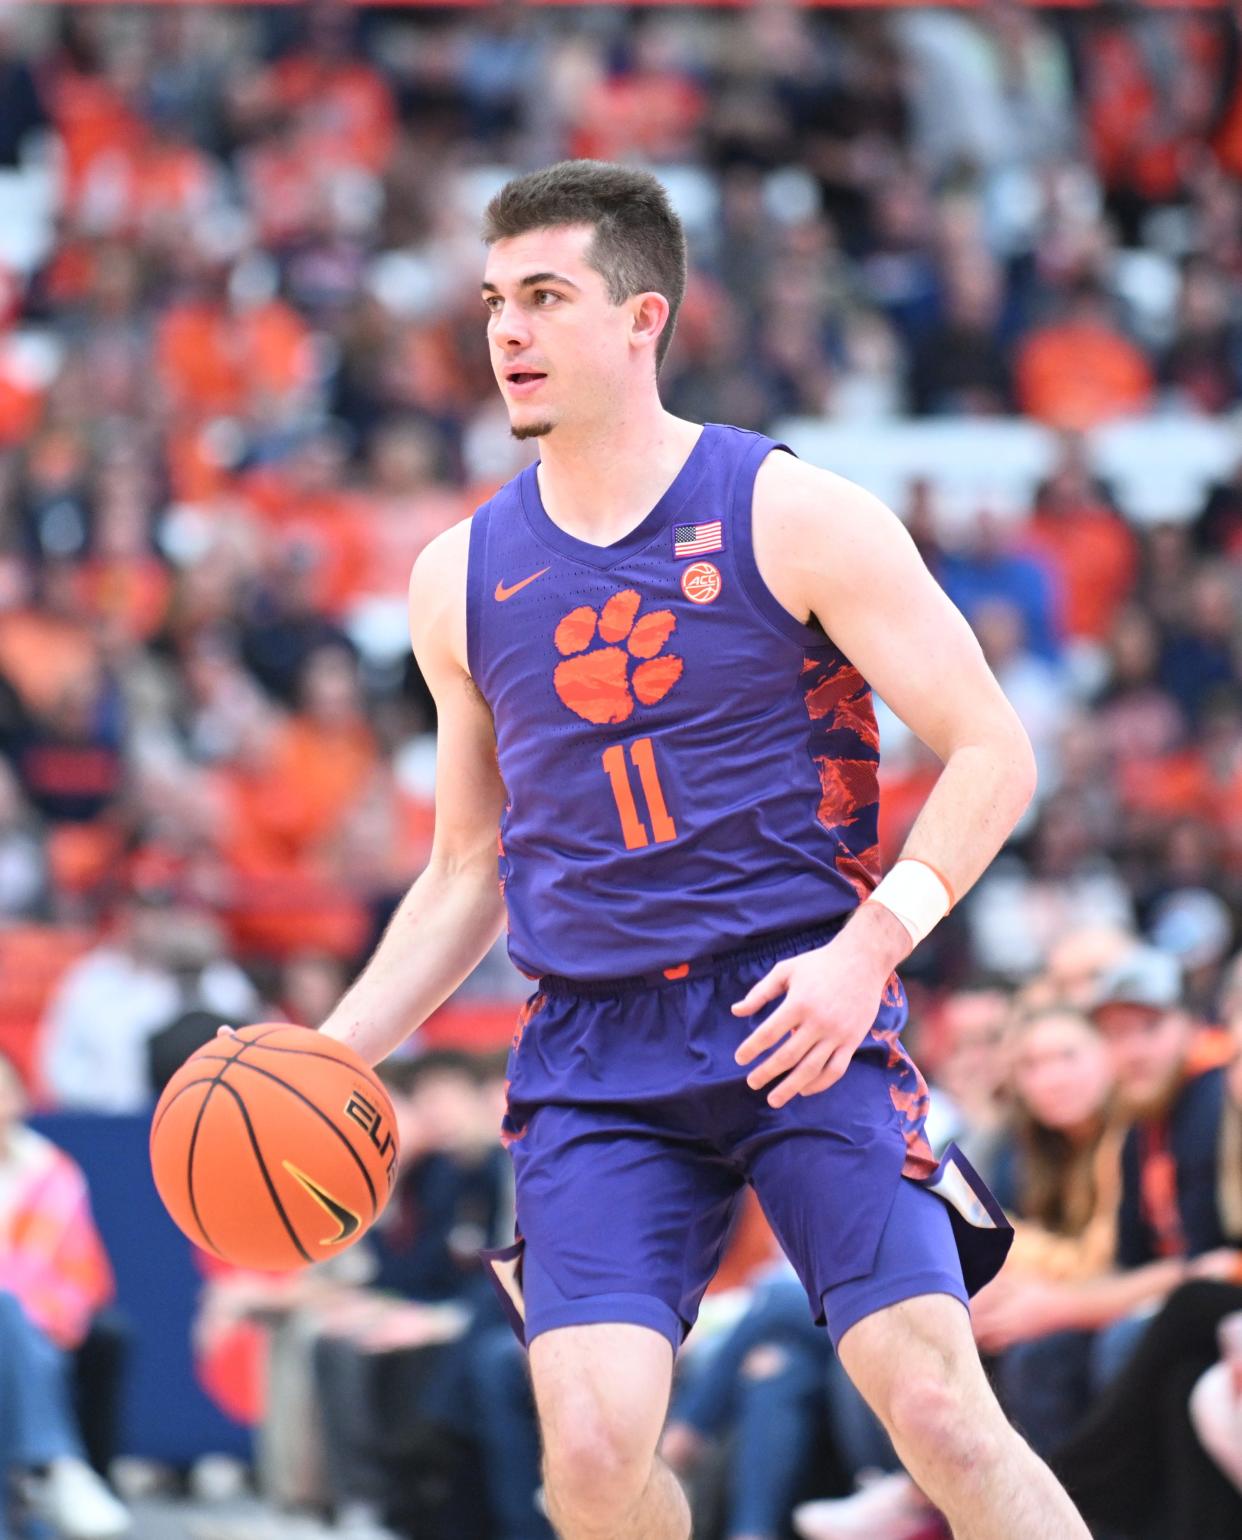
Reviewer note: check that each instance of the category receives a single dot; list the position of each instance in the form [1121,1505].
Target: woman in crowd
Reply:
[1058,1175]
[1140,1452]
[54,1277]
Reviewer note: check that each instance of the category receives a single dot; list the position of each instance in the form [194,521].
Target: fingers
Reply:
[773,983]
[798,1082]
[782,1020]
[836,1066]
[791,1052]
[225,1032]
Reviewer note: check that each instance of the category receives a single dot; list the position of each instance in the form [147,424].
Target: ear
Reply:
[648,318]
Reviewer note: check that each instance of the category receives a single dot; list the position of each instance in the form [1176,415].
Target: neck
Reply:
[1081,1134]
[599,480]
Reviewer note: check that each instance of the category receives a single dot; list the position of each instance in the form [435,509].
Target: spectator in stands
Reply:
[54,1277]
[163,958]
[972,1086]
[1080,369]
[452,1198]
[961,367]
[988,566]
[1218,527]
[23,857]
[1068,1339]
[1199,657]
[1090,549]
[1059,1176]
[1136,1454]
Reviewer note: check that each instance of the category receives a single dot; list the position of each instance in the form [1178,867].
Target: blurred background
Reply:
[986,260]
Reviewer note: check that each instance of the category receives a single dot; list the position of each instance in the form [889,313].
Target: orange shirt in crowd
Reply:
[653,112]
[1176,785]
[214,361]
[1144,134]
[132,593]
[93,119]
[43,656]
[1076,374]
[346,111]
[1094,557]
[331,526]
[394,530]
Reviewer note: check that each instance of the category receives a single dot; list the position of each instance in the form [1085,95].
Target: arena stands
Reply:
[985,259]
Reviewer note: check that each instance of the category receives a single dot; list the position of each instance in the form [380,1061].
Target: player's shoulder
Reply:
[442,560]
[800,504]
[437,596]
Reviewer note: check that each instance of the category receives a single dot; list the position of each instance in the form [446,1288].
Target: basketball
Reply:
[274,1148]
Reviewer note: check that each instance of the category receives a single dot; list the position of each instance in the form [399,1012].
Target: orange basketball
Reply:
[274,1148]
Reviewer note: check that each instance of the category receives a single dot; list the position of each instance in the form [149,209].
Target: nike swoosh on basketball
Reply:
[503,593]
[346,1218]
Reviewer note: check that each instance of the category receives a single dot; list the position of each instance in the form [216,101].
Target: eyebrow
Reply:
[530,280]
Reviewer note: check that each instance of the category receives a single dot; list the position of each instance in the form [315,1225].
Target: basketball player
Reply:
[651,656]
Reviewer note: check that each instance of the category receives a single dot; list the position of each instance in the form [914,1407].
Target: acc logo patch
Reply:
[700,582]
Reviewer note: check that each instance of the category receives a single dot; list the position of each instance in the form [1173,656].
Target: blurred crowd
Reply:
[1105,1113]
[243,380]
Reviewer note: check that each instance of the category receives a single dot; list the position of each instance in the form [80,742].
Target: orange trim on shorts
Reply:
[679,972]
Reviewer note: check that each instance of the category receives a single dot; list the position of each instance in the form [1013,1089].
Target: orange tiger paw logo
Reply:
[598,684]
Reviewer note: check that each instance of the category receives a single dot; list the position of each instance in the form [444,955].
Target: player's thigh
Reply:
[917,1365]
[602,1394]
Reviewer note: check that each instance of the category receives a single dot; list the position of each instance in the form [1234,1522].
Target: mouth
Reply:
[522,382]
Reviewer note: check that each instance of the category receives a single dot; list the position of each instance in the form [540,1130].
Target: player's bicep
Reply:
[861,575]
[470,795]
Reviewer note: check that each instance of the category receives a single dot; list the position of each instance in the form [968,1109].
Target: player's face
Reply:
[559,346]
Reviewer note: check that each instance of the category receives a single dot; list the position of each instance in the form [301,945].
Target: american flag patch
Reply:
[697,539]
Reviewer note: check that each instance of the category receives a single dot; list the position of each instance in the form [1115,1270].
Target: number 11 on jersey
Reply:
[633,829]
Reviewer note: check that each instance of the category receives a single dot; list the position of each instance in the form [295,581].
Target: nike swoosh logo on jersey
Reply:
[346,1218]
[503,593]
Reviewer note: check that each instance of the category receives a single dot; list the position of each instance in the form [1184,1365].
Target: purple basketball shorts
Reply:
[632,1131]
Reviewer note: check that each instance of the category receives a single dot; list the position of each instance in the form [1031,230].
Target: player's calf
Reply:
[917,1366]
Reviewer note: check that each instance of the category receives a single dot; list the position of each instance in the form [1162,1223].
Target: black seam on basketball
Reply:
[309,1053]
[176,1096]
[254,1042]
[321,1115]
[271,1186]
[218,1079]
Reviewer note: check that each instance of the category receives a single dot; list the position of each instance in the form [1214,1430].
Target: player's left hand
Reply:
[832,995]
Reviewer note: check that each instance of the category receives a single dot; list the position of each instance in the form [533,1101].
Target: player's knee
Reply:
[931,1415]
[595,1469]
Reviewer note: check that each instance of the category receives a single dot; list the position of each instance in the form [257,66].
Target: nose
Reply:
[512,330]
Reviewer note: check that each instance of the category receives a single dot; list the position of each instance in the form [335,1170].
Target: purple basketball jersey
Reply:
[687,766]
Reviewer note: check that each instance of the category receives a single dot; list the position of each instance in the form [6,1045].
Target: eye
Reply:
[542,294]
[491,301]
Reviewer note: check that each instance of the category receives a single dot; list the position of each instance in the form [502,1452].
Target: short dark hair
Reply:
[638,245]
[403,1074]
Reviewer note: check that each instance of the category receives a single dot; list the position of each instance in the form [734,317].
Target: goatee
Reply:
[530,429]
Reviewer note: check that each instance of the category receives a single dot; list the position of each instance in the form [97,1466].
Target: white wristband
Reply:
[917,895]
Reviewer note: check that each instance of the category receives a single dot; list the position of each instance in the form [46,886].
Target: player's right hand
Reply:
[831,997]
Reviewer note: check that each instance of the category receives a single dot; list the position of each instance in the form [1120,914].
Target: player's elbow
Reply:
[1018,773]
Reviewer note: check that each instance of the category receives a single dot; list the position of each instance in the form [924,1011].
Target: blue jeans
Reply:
[37,1424]
[766,1379]
[857,1432]
[506,1427]
[1046,1385]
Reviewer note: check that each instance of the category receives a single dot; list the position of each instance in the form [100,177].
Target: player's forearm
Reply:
[439,933]
[982,791]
